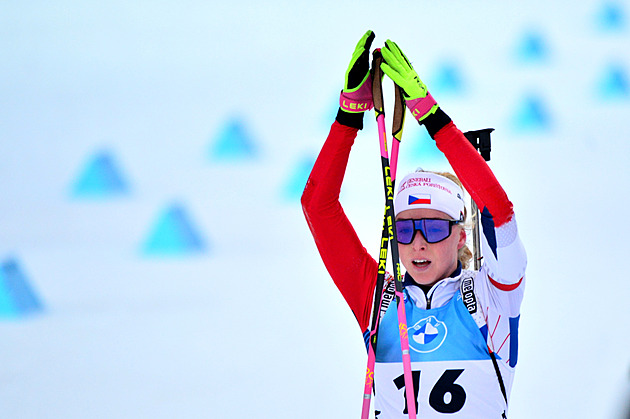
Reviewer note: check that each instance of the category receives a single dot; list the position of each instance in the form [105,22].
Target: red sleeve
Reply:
[474,173]
[351,267]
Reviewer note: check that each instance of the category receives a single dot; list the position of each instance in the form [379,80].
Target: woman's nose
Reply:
[419,243]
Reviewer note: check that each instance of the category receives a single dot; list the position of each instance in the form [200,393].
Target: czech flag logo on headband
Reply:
[420,199]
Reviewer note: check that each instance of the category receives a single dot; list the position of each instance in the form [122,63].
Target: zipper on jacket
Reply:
[426,293]
[429,295]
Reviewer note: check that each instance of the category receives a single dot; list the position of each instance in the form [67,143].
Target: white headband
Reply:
[429,190]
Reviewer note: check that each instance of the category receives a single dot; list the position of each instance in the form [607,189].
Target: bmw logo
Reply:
[427,335]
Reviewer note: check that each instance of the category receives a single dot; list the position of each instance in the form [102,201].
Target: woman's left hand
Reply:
[399,69]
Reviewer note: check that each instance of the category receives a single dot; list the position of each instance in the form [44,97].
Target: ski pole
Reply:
[389,234]
[380,278]
[397,128]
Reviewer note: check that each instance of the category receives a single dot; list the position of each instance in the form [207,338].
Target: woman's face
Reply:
[427,263]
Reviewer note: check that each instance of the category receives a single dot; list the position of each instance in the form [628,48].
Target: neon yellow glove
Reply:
[399,69]
[356,95]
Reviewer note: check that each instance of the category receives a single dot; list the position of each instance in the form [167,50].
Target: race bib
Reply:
[453,389]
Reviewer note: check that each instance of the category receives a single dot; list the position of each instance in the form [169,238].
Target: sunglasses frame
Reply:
[451,223]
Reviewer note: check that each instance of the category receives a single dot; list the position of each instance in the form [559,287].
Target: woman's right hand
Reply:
[356,95]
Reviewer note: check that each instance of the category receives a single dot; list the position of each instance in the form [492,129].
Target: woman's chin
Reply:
[422,276]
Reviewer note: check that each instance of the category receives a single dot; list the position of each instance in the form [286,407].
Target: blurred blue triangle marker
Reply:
[297,181]
[17,297]
[532,48]
[448,79]
[174,234]
[614,84]
[611,17]
[233,142]
[100,177]
[532,115]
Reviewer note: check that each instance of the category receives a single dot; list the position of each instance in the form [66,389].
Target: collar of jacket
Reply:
[439,294]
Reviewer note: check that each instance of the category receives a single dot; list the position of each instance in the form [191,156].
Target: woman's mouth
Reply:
[421,263]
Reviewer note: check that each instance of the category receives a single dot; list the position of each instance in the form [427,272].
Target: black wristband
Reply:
[350,119]
[436,122]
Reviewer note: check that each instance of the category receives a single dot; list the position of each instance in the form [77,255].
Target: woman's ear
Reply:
[462,238]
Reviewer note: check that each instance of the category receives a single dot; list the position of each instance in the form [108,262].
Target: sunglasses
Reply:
[433,230]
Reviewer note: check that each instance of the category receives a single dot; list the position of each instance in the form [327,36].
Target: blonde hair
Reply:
[464,255]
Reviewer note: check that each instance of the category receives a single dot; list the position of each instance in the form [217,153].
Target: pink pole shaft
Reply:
[402,317]
[382,134]
[369,383]
[393,161]
[406,358]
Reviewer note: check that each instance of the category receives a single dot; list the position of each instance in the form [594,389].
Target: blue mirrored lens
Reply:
[434,230]
[405,231]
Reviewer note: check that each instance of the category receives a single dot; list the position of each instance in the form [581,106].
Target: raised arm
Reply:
[504,255]
[347,261]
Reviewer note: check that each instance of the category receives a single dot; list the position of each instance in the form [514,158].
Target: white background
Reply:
[254,327]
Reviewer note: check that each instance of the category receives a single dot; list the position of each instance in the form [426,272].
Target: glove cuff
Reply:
[359,100]
[435,122]
[422,107]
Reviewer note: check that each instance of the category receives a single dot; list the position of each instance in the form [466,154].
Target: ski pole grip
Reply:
[377,81]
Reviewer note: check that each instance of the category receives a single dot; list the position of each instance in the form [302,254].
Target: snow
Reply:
[254,327]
